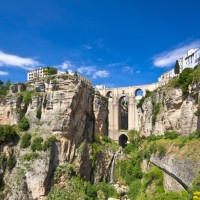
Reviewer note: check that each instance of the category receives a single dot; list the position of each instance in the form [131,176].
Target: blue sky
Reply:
[115,42]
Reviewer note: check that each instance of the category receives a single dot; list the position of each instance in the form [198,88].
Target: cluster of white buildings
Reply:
[189,60]
[38,74]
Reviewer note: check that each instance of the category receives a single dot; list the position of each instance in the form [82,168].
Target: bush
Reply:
[48,143]
[37,144]
[39,113]
[155,174]
[134,137]
[194,135]
[27,97]
[153,137]
[11,161]
[171,135]
[25,140]
[162,151]
[30,156]
[155,111]
[153,148]
[24,124]
[7,134]
[134,189]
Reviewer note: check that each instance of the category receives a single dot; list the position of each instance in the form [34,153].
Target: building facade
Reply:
[189,60]
[35,74]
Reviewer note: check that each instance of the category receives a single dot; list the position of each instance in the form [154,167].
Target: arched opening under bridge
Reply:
[123,139]
[123,113]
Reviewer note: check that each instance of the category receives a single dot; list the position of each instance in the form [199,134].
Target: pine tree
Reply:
[177,68]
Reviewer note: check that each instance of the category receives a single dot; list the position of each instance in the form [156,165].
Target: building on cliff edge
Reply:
[189,60]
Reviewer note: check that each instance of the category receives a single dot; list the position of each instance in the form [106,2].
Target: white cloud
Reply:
[168,58]
[128,69]
[101,74]
[87,46]
[86,70]
[2,73]
[17,61]
[115,64]
[67,66]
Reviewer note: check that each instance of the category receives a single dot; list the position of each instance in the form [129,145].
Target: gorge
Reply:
[60,143]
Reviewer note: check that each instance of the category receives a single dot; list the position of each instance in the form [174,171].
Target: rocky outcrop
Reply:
[177,111]
[71,111]
[180,165]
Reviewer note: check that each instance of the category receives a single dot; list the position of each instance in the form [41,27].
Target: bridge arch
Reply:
[123,112]
[123,139]
[139,92]
[109,94]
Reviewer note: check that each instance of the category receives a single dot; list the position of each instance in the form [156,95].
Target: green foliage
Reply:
[30,156]
[25,140]
[162,151]
[7,134]
[37,144]
[49,143]
[27,97]
[155,111]
[153,148]
[184,80]
[11,161]
[154,175]
[147,94]
[197,113]
[153,137]
[50,71]
[39,113]
[4,88]
[177,68]
[196,75]
[134,137]
[171,135]
[194,135]
[105,138]
[24,124]
[134,189]
[129,170]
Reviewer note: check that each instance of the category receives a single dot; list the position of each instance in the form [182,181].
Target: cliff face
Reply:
[167,109]
[176,111]
[70,110]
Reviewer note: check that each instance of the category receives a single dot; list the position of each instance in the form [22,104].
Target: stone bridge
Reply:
[133,96]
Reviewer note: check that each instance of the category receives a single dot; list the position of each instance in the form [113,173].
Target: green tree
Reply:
[50,71]
[25,140]
[177,68]
[24,124]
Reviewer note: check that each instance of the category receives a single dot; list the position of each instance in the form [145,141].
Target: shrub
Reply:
[171,135]
[30,156]
[37,144]
[134,137]
[153,148]
[134,189]
[155,111]
[39,113]
[197,113]
[7,134]
[48,143]
[24,124]
[194,135]
[27,97]
[25,140]
[162,151]
[155,174]
[11,161]
[153,137]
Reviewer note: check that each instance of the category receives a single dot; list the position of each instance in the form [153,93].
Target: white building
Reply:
[189,60]
[35,74]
